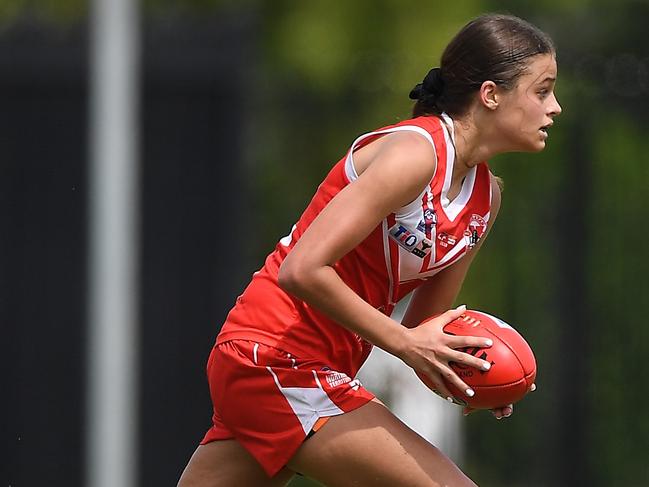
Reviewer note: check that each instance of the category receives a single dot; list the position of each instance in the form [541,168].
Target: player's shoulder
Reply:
[396,153]
[414,142]
[411,153]
[407,146]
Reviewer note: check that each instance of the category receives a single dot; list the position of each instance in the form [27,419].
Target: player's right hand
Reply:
[429,351]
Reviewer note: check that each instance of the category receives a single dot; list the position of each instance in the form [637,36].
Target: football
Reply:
[513,366]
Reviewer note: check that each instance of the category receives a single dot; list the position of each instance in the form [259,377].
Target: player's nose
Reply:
[555,108]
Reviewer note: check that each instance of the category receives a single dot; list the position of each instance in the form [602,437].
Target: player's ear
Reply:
[488,95]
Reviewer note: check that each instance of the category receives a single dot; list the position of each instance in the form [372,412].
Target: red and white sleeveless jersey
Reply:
[408,246]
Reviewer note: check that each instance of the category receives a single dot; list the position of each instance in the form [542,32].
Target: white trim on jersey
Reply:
[350,170]
[254,353]
[459,247]
[286,241]
[308,403]
[453,208]
[491,195]
[388,260]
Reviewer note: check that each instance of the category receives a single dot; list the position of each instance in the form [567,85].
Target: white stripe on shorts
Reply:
[308,403]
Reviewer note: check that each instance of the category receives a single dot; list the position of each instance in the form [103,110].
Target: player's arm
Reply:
[439,292]
[397,173]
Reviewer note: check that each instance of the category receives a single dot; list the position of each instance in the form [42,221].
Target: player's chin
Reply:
[536,145]
[541,140]
[539,146]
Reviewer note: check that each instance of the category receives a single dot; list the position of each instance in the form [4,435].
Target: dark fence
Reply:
[193,237]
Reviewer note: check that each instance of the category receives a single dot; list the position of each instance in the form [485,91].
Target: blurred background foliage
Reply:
[567,262]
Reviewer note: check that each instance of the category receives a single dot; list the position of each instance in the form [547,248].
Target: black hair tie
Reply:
[433,82]
[433,85]
[417,92]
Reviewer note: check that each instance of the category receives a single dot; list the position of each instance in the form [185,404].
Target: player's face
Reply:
[527,111]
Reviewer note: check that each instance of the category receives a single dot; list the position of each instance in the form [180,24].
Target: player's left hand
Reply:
[499,413]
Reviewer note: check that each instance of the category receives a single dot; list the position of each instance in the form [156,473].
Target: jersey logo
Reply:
[474,231]
[445,239]
[430,220]
[411,240]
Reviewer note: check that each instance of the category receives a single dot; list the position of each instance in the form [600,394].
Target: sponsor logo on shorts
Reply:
[335,379]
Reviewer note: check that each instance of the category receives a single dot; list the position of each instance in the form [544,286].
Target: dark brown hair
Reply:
[491,47]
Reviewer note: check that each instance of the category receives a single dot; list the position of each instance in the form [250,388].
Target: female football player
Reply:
[405,210]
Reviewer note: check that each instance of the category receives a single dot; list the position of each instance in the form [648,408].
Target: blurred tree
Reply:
[573,303]
[330,69]
[52,11]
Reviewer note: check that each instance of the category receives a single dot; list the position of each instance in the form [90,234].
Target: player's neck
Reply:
[472,146]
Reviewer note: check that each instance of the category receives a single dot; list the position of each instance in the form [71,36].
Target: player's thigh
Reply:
[226,463]
[371,447]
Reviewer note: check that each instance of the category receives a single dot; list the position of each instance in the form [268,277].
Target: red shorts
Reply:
[269,400]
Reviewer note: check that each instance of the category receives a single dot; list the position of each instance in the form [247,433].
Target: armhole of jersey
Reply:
[350,170]
[491,190]
[491,194]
